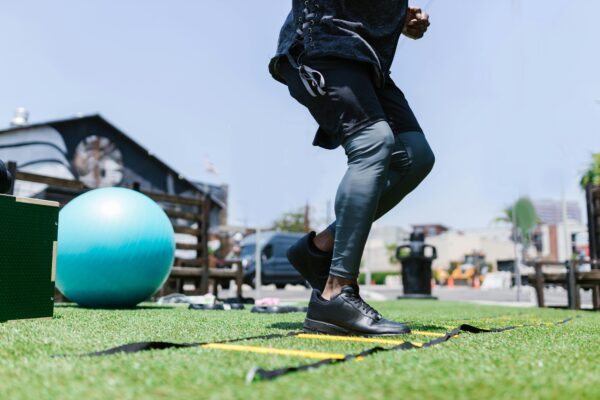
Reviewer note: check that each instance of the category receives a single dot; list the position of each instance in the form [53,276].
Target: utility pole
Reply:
[517,268]
[306,218]
[257,266]
[567,246]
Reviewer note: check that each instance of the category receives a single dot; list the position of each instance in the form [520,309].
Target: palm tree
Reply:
[524,219]
[507,217]
[592,175]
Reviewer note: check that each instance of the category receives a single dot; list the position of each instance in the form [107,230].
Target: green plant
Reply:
[592,175]
[524,218]
[292,221]
[506,217]
[377,277]
[391,251]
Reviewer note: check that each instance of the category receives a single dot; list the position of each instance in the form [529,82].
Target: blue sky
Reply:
[507,91]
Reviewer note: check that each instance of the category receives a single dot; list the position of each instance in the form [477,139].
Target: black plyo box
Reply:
[28,244]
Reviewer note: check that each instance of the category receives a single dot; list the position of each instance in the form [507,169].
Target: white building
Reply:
[376,256]
[453,245]
[552,240]
[558,242]
[551,211]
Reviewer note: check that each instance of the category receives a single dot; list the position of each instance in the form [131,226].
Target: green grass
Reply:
[532,362]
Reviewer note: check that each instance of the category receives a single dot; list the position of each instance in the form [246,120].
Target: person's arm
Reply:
[416,24]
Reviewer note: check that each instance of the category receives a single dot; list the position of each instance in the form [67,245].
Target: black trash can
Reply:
[416,267]
[6,179]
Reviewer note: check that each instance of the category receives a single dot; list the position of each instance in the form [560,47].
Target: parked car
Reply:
[276,269]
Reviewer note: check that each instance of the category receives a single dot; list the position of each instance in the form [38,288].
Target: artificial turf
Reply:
[561,361]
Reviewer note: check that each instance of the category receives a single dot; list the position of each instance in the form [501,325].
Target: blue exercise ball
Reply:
[115,248]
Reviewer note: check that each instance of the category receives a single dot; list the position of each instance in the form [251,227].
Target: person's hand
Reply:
[416,23]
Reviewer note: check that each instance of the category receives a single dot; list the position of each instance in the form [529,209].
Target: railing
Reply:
[195,211]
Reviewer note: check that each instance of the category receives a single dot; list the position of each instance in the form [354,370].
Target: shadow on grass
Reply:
[423,327]
[298,326]
[142,307]
[65,305]
[287,326]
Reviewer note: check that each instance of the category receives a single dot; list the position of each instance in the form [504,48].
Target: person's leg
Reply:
[349,105]
[412,158]
[411,161]
[340,309]
[344,102]
[369,154]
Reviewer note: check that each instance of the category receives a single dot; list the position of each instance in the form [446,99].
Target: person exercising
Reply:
[334,56]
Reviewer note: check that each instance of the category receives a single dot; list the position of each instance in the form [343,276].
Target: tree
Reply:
[292,221]
[391,252]
[592,175]
[507,217]
[524,220]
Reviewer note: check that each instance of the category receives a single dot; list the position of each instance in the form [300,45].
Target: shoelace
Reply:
[363,306]
[313,80]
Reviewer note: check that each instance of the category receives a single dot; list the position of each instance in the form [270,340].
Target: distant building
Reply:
[559,242]
[453,245]
[430,230]
[377,253]
[551,211]
[555,239]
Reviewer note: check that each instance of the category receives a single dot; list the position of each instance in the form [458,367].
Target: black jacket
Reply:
[361,30]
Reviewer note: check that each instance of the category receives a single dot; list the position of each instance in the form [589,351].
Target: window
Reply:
[282,246]
[538,241]
[248,252]
[267,252]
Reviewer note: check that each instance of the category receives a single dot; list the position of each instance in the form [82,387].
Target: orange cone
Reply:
[432,283]
[476,283]
[450,283]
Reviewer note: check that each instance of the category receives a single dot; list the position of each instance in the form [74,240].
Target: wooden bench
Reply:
[566,274]
[228,270]
[190,218]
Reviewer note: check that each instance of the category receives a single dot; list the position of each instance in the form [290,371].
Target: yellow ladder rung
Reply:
[354,339]
[270,350]
[425,333]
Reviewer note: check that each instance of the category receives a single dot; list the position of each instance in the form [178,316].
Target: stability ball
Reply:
[115,248]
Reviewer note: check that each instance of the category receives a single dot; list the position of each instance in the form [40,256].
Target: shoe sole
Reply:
[331,329]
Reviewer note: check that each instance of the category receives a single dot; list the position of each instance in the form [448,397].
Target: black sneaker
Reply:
[348,314]
[312,263]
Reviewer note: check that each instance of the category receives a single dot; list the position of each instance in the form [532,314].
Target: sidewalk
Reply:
[504,297]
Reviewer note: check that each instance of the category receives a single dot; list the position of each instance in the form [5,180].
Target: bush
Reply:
[377,277]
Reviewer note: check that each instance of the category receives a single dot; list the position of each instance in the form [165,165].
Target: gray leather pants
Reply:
[382,169]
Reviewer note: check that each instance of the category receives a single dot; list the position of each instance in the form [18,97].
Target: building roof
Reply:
[212,190]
